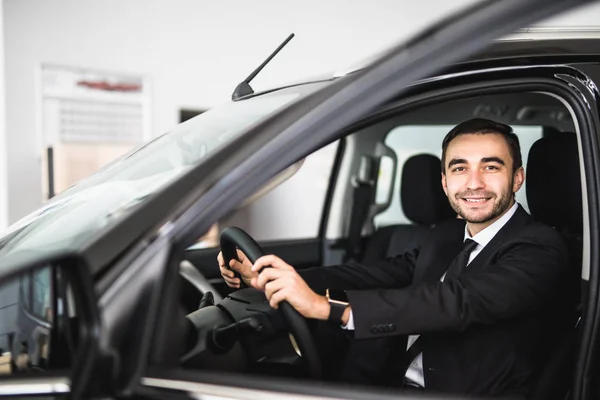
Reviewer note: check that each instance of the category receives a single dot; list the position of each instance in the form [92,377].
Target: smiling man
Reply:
[484,171]
[471,311]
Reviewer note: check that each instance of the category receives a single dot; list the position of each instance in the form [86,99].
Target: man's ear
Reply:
[444,184]
[518,179]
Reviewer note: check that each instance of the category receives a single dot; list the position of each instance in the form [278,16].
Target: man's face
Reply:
[478,178]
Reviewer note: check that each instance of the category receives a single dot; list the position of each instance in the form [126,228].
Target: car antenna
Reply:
[243,88]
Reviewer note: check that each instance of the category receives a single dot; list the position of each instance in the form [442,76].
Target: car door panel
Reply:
[246,387]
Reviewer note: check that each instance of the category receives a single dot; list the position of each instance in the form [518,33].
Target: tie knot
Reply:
[469,245]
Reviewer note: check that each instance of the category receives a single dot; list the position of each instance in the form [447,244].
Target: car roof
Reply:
[523,44]
[543,42]
[562,44]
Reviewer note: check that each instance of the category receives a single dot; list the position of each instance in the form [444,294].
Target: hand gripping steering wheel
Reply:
[232,238]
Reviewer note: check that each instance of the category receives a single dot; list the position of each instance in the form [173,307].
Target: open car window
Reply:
[288,207]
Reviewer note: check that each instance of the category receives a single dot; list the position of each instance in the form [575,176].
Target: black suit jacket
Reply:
[486,331]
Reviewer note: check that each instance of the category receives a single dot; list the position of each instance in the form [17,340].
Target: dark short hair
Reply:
[481,126]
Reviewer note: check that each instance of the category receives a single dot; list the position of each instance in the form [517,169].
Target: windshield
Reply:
[72,217]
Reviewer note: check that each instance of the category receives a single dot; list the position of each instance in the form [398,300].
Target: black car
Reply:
[127,262]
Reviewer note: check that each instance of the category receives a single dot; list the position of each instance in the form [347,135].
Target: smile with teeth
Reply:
[476,200]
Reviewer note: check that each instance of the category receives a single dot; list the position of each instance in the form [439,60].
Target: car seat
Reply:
[424,203]
[554,197]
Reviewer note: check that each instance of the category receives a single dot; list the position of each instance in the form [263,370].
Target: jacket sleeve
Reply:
[523,278]
[393,272]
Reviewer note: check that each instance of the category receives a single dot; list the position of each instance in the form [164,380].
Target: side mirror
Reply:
[45,325]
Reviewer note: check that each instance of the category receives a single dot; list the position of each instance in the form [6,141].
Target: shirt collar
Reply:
[487,234]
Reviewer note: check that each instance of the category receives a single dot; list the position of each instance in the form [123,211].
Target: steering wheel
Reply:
[233,238]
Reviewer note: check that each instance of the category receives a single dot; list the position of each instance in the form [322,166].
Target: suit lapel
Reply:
[514,224]
[451,243]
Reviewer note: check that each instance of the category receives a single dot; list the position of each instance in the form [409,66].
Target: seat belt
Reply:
[362,198]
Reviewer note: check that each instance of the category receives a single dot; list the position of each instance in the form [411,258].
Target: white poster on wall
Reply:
[89,118]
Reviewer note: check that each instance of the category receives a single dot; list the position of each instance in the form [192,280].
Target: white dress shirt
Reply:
[414,374]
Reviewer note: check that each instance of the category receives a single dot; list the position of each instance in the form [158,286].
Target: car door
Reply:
[571,85]
[348,101]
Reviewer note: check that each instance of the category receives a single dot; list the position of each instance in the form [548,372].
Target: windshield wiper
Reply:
[243,88]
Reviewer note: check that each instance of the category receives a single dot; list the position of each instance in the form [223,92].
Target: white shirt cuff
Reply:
[350,325]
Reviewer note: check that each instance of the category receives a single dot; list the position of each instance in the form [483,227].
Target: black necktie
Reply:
[461,260]
[456,266]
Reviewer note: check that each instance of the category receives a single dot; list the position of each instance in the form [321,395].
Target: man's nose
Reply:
[475,180]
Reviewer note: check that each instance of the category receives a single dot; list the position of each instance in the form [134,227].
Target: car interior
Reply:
[383,195]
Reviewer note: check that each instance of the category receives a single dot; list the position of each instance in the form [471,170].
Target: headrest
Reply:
[554,182]
[423,199]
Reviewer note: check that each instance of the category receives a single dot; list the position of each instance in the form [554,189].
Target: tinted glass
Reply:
[38,336]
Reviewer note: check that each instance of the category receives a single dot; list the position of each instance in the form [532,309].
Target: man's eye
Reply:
[458,169]
[491,168]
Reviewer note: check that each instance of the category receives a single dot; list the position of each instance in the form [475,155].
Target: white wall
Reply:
[194,52]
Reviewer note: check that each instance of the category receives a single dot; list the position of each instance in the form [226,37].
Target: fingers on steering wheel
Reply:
[230,280]
[265,276]
[270,261]
[221,260]
[226,272]
[241,256]
[235,265]
[273,286]
[229,277]
[277,298]
[233,283]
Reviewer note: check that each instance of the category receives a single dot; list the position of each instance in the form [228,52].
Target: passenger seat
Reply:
[554,197]
[424,203]
[554,188]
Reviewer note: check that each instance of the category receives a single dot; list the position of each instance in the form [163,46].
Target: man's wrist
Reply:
[323,308]
[339,308]
[346,315]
